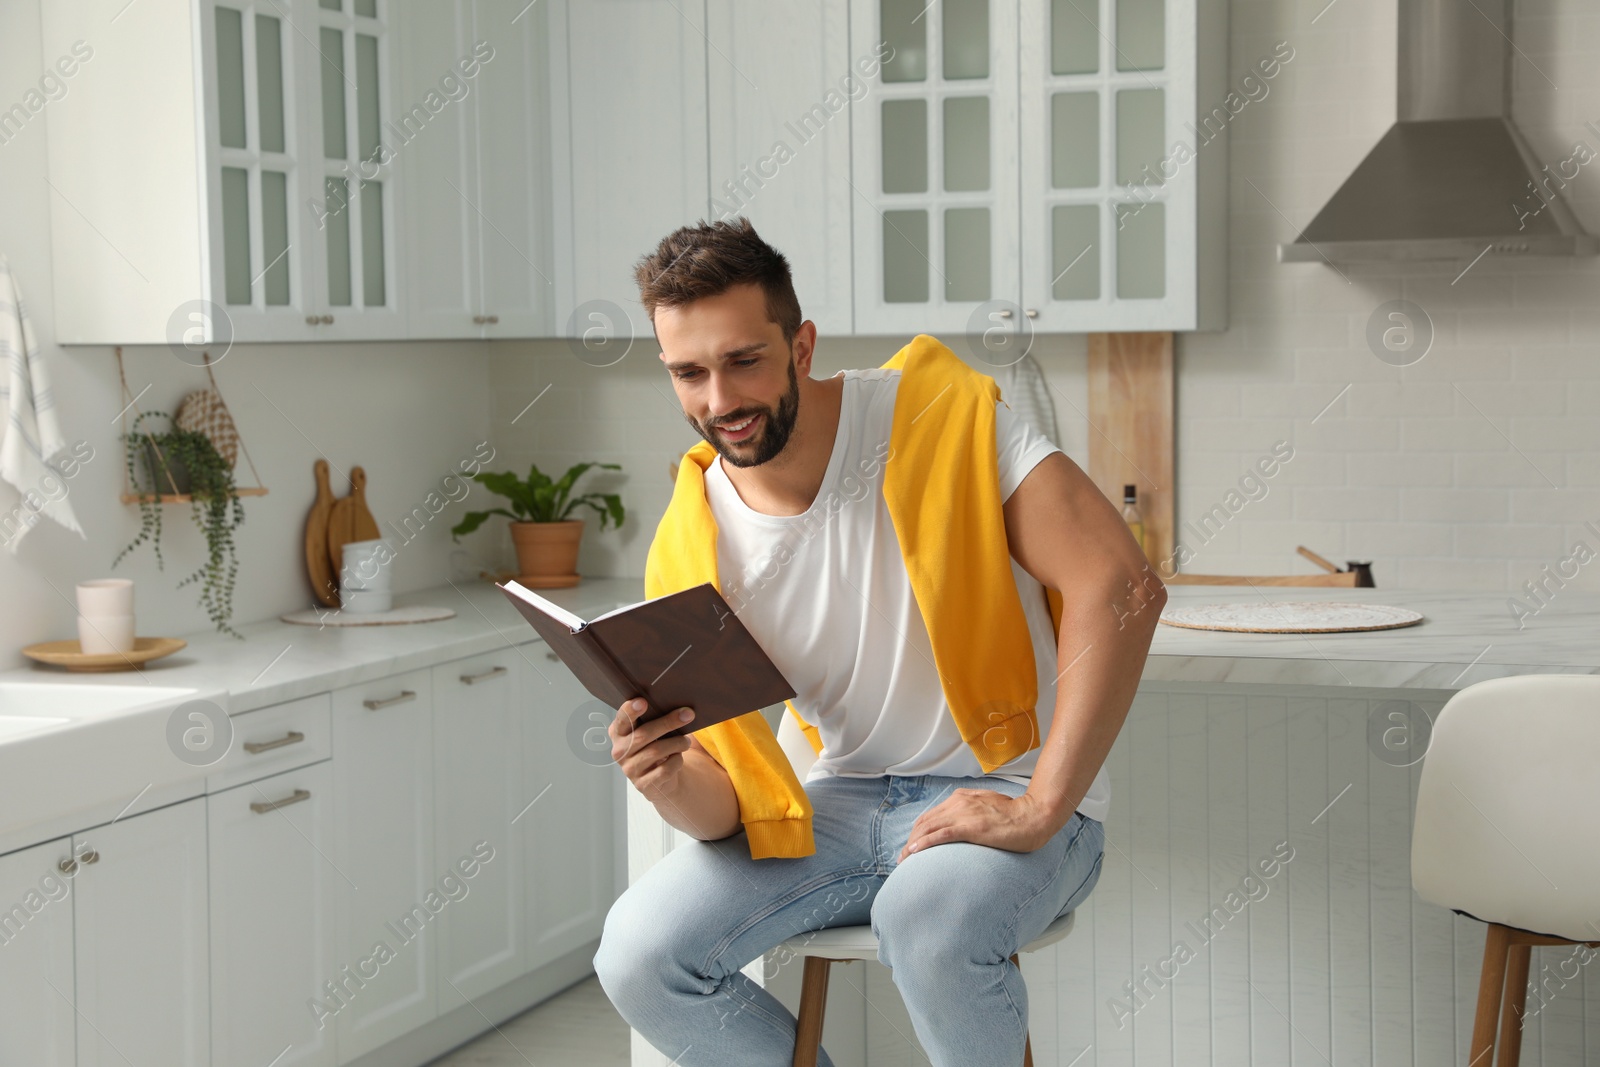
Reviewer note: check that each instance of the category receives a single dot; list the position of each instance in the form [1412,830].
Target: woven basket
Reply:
[205,412]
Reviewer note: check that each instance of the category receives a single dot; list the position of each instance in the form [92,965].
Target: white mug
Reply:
[366,566]
[105,597]
[105,634]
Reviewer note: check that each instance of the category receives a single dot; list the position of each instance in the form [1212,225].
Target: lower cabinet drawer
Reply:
[276,739]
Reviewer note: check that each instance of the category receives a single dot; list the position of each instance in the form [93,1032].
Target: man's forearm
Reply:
[1105,637]
[703,805]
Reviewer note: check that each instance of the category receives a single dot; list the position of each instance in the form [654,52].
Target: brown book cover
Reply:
[683,650]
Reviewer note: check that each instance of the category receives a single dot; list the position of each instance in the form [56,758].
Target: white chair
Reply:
[842,944]
[1504,831]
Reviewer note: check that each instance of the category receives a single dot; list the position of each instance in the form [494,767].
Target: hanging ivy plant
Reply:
[185,461]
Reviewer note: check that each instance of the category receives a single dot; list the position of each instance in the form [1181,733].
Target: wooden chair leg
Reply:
[1490,984]
[1516,998]
[1027,1039]
[813,1002]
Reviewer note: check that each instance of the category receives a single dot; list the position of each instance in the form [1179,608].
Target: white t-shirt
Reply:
[827,595]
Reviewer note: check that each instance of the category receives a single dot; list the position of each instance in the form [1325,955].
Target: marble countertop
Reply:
[1464,638]
[279,661]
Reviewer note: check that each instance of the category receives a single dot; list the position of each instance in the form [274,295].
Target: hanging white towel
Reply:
[1022,386]
[30,437]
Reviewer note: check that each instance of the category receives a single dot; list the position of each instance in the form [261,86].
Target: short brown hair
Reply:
[710,258]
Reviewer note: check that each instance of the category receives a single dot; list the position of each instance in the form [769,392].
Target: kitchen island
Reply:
[1240,750]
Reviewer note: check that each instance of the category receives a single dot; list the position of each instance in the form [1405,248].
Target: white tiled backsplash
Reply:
[1475,468]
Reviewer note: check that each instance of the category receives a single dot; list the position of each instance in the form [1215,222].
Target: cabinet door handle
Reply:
[1033,313]
[479,320]
[552,657]
[400,698]
[327,320]
[482,676]
[293,737]
[494,320]
[1004,313]
[313,320]
[67,866]
[261,807]
[91,856]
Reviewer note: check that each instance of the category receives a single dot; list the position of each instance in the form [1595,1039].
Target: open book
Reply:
[684,650]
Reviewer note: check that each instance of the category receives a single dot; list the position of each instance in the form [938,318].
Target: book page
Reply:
[549,607]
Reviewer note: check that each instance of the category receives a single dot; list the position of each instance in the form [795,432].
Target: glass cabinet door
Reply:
[355,150]
[933,165]
[1108,166]
[256,177]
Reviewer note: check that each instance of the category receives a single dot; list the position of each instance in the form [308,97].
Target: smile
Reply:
[738,431]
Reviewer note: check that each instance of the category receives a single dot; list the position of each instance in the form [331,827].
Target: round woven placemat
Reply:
[392,617]
[1314,617]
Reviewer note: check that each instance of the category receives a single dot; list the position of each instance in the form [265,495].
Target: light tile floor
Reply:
[578,1027]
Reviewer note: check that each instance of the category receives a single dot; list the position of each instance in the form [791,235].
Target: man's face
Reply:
[733,373]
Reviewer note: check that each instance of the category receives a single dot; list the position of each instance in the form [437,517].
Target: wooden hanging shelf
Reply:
[130,497]
[184,498]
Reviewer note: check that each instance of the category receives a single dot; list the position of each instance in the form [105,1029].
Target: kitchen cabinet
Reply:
[477,753]
[571,815]
[1017,167]
[140,944]
[780,77]
[383,804]
[478,167]
[635,96]
[37,1024]
[263,205]
[276,988]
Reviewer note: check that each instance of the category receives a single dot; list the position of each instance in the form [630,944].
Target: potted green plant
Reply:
[186,463]
[542,530]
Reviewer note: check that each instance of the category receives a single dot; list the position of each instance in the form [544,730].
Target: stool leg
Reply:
[1490,984]
[813,1002]
[1516,999]
[1027,1040]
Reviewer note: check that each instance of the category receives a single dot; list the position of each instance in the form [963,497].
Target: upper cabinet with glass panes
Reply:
[301,173]
[223,174]
[1031,166]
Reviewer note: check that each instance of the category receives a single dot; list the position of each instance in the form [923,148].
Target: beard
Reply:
[769,440]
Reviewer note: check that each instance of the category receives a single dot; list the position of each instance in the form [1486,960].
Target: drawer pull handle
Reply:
[482,676]
[91,856]
[261,807]
[67,866]
[400,698]
[255,748]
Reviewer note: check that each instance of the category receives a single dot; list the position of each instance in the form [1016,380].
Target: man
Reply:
[922,567]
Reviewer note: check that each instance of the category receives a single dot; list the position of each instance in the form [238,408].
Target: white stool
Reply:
[842,944]
[1504,831]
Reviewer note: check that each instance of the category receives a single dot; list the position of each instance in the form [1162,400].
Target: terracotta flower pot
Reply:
[547,553]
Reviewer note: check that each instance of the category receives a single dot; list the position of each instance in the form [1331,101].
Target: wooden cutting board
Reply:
[350,520]
[324,582]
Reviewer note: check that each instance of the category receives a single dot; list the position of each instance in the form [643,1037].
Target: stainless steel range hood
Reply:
[1453,176]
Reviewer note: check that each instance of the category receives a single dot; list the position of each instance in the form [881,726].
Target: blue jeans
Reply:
[947,920]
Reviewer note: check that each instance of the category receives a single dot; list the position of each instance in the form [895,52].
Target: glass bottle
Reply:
[1131,516]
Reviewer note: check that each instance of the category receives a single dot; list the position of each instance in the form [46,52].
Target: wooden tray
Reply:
[1294,617]
[69,654]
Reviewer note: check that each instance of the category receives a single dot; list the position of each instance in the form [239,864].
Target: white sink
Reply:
[77,752]
[11,725]
[80,700]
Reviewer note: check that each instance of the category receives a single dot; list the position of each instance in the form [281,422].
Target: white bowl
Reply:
[366,601]
[106,634]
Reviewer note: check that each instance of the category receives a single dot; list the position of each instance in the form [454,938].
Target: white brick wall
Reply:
[1411,468]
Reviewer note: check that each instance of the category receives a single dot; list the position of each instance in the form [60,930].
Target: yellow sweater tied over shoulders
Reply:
[942,488]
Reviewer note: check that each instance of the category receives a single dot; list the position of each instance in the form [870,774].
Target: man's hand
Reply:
[984,817]
[651,762]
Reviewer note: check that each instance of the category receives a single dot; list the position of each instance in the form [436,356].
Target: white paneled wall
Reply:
[1474,468]
[1334,959]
